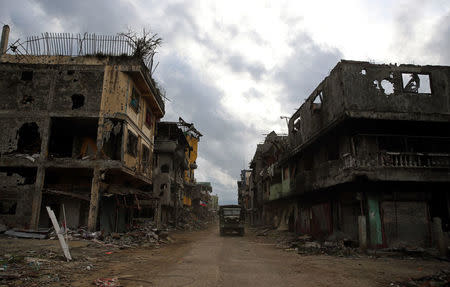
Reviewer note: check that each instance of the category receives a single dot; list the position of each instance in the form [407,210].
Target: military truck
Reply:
[231,218]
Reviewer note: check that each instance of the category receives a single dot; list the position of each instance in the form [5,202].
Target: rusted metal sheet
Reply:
[405,223]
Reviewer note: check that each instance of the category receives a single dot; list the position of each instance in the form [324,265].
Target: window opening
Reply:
[8,207]
[29,138]
[77,101]
[148,117]
[135,98]
[416,83]
[27,76]
[132,144]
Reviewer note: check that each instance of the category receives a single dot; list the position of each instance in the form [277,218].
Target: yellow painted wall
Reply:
[117,90]
[187,201]
[193,142]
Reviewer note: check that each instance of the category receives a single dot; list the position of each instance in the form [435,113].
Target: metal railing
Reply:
[66,44]
[398,159]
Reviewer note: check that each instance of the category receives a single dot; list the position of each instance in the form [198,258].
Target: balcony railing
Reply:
[398,159]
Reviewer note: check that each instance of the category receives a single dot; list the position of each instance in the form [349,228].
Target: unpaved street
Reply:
[204,258]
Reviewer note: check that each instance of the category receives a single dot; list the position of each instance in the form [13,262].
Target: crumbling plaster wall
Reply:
[363,94]
[40,87]
[351,91]
[10,127]
[15,187]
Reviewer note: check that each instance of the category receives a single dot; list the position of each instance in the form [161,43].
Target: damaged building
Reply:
[176,146]
[367,158]
[170,164]
[77,131]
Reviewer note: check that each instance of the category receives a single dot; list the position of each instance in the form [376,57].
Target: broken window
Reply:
[134,101]
[297,125]
[77,101]
[27,76]
[317,102]
[132,142]
[29,141]
[318,99]
[145,157]
[416,83]
[148,117]
[8,207]
[73,137]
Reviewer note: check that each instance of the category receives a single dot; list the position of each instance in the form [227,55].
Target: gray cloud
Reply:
[440,41]
[239,65]
[304,70]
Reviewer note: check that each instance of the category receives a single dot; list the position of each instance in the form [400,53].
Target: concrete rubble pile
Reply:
[143,233]
[189,221]
[336,244]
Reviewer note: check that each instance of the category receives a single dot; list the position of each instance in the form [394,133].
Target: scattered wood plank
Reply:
[21,234]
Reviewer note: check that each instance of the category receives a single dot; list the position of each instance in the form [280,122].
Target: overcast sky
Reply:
[234,67]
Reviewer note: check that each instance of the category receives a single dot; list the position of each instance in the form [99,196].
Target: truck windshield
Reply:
[231,211]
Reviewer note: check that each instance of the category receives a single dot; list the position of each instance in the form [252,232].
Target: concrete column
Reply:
[4,40]
[93,206]
[439,238]
[362,232]
[37,198]
[158,214]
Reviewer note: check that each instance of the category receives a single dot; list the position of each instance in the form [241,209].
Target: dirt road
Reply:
[203,258]
[206,259]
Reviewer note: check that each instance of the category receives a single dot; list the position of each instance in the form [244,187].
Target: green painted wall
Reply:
[285,186]
[376,237]
[275,191]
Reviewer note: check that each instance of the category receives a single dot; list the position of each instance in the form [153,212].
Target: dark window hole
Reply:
[77,101]
[27,99]
[27,76]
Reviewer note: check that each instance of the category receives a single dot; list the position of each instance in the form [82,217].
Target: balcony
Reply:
[398,160]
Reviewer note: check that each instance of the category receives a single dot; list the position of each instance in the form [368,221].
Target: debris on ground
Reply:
[442,278]
[107,282]
[189,221]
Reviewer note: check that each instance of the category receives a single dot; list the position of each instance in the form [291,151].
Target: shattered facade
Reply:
[77,131]
[368,157]
[169,168]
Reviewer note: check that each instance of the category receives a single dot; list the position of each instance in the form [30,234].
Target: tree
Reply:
[144,46]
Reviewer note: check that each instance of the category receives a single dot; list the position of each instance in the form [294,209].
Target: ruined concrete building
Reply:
[201,199]
[76,130]
[176,146]
[368,157]
[265,175]
[169,168]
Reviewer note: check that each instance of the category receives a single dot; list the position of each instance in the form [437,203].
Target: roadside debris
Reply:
[107,282]
[442,278]
[59,233]
[26,234]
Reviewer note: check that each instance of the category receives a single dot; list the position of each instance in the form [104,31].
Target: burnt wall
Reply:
[57,88]
[372,91]
[16,187]
[379,89]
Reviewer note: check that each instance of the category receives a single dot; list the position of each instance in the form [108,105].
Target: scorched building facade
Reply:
[78,131]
